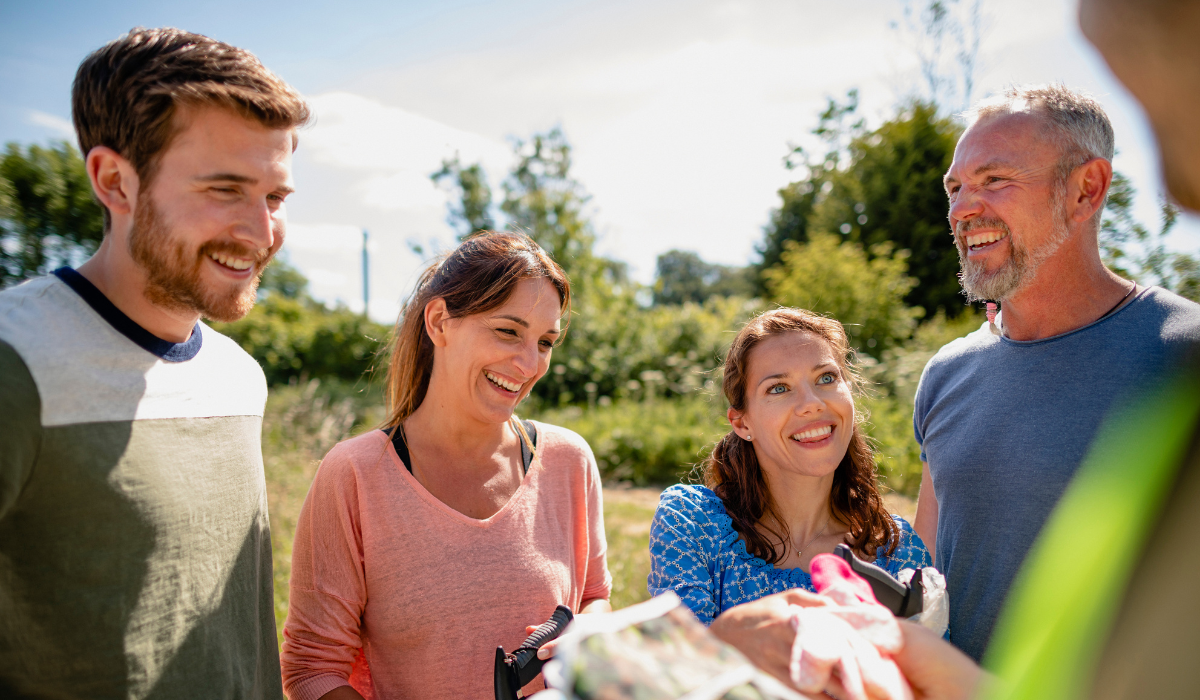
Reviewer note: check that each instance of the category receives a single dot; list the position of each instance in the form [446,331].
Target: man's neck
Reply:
[123,282]
[1065,294]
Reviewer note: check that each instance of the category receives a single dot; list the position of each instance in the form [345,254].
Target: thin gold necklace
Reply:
[800,550]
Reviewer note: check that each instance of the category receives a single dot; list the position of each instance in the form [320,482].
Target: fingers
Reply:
[547,649]
[803,598]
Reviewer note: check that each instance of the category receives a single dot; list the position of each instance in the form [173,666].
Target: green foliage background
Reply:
[861,235]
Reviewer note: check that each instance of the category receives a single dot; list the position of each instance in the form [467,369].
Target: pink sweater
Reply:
[412,597]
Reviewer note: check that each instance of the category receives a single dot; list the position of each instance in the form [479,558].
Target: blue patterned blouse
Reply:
[695,552]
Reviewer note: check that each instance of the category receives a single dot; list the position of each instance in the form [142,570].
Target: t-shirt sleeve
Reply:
[322,636]
[21,418]
[679,561]
[920,407]
[598,580]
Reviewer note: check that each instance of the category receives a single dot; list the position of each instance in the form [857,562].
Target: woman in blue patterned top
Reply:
[793,479]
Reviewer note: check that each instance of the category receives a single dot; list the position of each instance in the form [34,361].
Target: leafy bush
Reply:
[48,216]
[836,278]
[889,403]
[653,441]
[616,350]
[297,339]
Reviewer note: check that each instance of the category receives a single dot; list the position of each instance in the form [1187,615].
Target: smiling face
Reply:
[213,214]
[491,360]
[1007,212]
[799,407]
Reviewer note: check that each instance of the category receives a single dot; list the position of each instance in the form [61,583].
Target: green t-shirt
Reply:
[135,554]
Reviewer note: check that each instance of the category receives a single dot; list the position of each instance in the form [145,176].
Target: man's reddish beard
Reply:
[173,270]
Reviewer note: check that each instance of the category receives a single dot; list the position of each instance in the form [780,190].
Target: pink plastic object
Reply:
[991,312]
[850,642]
[833,577]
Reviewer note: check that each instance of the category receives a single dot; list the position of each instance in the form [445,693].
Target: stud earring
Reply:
[749,437]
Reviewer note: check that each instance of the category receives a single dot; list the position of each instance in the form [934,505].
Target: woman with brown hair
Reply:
[426,544]
[793,479]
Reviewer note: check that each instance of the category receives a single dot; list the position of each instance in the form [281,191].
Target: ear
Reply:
[114,180]
[738,420]
[1088,188]
[437,316]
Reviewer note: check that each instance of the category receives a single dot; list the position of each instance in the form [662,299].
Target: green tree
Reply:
[471,209]
[543,199]
[885,187]
[837,278]
[48,216]
[1131,250]
[283,279]
[836,125]
[615,348]
[681,276]
[295,337]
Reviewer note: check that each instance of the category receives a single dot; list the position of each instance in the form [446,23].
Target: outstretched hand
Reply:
[763,632]
[592,606]
[762,629]
[935,669]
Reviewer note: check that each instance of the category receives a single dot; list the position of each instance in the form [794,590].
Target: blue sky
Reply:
[679,111]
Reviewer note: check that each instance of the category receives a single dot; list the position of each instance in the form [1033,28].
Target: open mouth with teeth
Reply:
[235,264]
[814,435]
[502,383]
[980,241]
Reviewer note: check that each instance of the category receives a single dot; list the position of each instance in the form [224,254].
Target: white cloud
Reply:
[397,149]
[679,114]
[63,128]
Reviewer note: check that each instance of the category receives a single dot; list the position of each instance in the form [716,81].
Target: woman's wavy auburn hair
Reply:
[732,470]
[476,277]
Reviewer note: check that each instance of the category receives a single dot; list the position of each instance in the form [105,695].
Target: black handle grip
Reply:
[514,671]
[902,600]
[525,658]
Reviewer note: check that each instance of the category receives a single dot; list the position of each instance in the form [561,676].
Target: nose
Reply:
[966,206]
[526,360]
[257,228]
[808,402]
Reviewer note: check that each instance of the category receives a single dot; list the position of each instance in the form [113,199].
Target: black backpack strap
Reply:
[526,453]
[401,446]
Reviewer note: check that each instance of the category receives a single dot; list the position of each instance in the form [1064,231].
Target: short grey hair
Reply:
[1075,121]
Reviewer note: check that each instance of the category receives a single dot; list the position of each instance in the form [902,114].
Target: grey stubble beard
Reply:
[1022,266]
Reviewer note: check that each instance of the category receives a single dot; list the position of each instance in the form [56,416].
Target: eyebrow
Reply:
[242,179]
[785,375]
[995,164]
[523,323]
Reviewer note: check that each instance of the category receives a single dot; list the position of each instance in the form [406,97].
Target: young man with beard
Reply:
[135,554]
[1005,415]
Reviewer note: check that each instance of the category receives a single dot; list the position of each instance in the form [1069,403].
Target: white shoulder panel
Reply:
[87,372]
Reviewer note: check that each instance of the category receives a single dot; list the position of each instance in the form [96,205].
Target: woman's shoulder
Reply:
[691,499]
[910,551]
[352,454]
[696,509]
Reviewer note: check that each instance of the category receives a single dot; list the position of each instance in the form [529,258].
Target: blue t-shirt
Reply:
[695,552]
[1004,425]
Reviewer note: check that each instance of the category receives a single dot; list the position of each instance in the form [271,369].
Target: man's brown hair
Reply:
[125,93]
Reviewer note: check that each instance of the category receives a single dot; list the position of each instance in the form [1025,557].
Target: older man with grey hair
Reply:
[1005,415]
